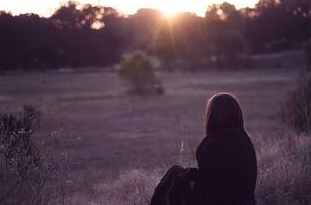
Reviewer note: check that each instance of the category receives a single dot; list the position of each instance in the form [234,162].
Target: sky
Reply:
[168,7]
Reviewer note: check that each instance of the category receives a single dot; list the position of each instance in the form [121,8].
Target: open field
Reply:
[116,133]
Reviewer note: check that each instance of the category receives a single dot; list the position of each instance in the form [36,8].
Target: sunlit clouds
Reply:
[168,7]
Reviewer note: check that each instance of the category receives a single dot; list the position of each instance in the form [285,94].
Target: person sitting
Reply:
[227,165]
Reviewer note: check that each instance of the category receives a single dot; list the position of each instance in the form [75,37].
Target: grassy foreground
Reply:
[123,145]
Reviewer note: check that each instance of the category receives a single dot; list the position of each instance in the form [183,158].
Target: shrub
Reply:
[296,110]
[28,175]
[307,51]
[138,73]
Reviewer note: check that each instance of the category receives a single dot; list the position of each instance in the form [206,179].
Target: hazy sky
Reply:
[169,7]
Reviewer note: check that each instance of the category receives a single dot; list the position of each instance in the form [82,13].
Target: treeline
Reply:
[80,35]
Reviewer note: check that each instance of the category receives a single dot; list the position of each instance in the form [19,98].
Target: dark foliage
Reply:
[80,35]
[28,175]
[16,143]
[296,110]
[72,37]
[307,51]
[138,73]
[275,25]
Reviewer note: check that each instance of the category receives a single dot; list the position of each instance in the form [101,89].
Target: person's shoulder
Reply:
[225,138]
[232,133]
[209,141]
[210,145]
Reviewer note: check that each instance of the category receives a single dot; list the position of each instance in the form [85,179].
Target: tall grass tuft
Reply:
[307,52]
[296,109]
[29,175]
[286,179]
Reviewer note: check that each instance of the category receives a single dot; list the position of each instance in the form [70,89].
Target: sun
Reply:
[170,13]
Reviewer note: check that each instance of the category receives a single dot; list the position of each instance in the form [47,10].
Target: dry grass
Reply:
[284,167]
[31,172]
[285,177]
[296,109]
[123,145]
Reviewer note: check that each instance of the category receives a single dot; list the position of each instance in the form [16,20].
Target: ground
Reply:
[116,132]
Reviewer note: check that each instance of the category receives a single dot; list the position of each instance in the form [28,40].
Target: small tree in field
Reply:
[296,110]
[138,73]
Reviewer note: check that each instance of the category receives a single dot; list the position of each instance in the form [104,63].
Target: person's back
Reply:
[226,157]
[227,169]
[227,166]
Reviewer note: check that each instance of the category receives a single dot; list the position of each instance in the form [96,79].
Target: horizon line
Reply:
[50,11]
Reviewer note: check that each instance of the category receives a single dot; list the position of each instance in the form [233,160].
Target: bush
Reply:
[138,73]
[28,175]
[307,51]
[296,110]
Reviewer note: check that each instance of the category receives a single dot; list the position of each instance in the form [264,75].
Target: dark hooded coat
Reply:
[226,174]
[227,169]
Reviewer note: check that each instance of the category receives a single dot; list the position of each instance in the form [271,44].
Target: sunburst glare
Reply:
[169,8]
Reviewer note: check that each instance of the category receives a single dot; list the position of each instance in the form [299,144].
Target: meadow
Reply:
[120,145]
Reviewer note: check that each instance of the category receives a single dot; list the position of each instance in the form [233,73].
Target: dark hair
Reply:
[223,112]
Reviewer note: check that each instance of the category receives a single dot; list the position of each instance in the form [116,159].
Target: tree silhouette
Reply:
[225,40]
[81,35]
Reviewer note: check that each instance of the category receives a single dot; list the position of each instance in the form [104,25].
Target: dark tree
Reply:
[275,25]
[81,35]
[76,35]
[225,41]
